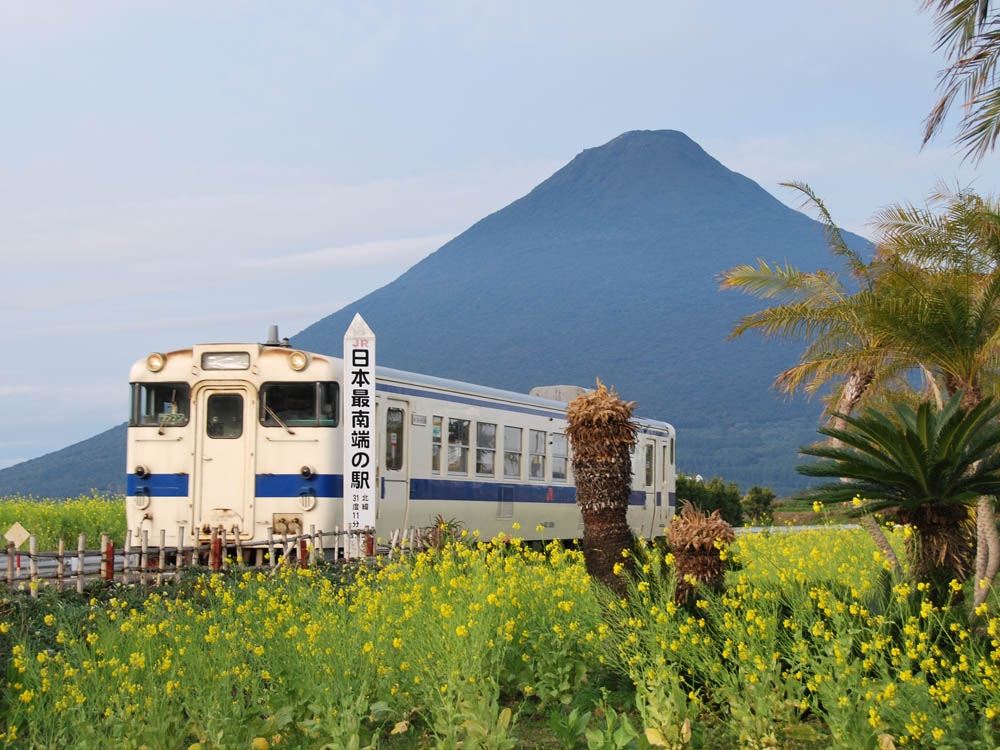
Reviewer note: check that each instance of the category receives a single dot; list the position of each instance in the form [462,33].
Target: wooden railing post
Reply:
[59,567]
[127,552]
[104,557]
[33,565]
[11,554]
[81,551]
[144,558]
[179,557]
[162,562]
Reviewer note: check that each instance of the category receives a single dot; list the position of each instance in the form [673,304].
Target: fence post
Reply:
[336,543]
[312,544]
[144,557]
[111,561]
[270,546]
[81,550]
[179,556]
[59,567]
[213,561]
[33,565]
[104,557]
[10,564]
[320,545]
[162,562]
[127,562]
[223,549]
[239,547]
[303,554]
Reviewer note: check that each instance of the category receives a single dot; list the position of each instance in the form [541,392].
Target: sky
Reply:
[184,172]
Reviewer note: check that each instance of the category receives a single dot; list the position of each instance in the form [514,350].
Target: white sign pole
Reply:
[360,432]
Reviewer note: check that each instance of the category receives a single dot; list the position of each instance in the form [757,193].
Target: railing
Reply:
[147,564]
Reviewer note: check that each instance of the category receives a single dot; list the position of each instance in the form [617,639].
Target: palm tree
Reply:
[832,316]
[948,255]
[602,433]
[970,35]
[928,466]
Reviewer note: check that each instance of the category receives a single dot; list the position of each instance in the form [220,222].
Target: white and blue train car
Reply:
[248,437]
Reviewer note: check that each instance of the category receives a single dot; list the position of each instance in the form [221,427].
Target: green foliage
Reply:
[758,506]
[715,494]
[910,459]
[52,520]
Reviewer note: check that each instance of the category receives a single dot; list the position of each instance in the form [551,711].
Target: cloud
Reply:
[359,255]
[16,390]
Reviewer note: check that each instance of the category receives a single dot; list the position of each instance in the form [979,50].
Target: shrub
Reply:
[716,494]
[758,506]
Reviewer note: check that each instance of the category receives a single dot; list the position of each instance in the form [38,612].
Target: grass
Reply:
[492,645]
[52,520]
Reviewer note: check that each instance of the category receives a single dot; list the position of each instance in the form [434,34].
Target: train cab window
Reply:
[672,459]
[224,416]
[650,458]
[458,446]
[393,439]
[486,449]
[512,452]
[436,445]
[559,457]
[160,405]
[536,454]
[299,404]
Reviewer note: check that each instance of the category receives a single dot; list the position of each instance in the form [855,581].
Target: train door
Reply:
[395,466]
[649,482]
[224,459]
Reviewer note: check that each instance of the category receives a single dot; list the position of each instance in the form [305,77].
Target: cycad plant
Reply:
[602,433]
[926,466]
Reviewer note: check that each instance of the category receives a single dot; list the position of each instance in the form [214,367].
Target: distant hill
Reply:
[97,463]
[607,269]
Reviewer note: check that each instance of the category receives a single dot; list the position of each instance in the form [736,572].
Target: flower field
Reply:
[52,520]
[495,645]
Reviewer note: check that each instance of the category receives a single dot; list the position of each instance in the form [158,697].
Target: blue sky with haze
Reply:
[183,172]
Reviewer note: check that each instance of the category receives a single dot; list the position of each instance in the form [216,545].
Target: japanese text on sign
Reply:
[359,412]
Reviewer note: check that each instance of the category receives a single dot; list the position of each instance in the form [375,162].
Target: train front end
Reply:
[238,437]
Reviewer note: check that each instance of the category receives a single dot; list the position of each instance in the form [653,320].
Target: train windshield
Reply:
[160,405]
[299,404]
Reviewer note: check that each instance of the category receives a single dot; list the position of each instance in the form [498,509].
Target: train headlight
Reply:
[156,361]
[298,361]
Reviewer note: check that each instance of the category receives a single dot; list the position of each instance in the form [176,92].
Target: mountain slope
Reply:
[607,269]
[97,463]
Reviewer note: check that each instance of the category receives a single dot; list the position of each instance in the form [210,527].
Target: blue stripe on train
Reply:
[332,486]
[458,489]
[160,485]
[293,485]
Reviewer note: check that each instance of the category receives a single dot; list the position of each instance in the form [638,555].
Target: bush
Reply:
[758,505]
[716,494]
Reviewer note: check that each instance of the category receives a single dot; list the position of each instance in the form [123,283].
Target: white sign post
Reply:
[360,433]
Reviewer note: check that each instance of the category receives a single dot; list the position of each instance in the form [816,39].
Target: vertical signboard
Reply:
[360,436]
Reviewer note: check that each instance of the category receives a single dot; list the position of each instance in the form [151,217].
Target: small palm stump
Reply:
[696,542]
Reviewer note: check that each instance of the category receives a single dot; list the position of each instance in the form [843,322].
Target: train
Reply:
[249,438]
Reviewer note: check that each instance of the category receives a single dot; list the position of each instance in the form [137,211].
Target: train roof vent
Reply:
[564,393]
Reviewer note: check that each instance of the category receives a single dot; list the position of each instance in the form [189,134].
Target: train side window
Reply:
[160,405]
[512,452]
[436,445]
[559,458]
[224,416]
[650,457]
[299,404]
[666,460]
[458,446]
[486,444]
[393,439]
[536,453]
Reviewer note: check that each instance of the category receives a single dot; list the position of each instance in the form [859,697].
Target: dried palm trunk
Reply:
[987,549]
[602,434]
[602,489]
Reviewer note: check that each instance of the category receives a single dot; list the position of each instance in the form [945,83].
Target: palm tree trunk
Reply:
[854,389]
[602,491]
[987,549]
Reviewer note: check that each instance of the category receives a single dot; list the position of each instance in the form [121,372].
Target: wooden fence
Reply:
[148,564]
